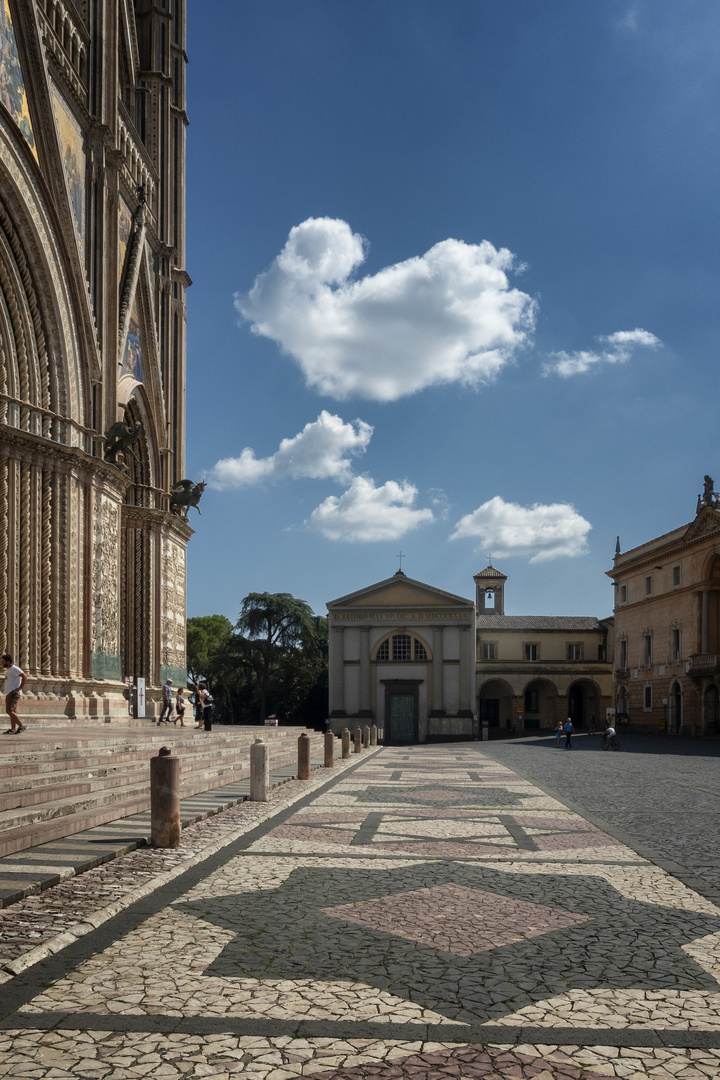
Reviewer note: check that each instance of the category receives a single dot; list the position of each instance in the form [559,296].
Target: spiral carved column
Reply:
[46,575]
[4,540]
[137,621]
[24,619]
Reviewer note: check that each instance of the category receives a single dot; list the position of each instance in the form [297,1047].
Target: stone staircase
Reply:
[54,783]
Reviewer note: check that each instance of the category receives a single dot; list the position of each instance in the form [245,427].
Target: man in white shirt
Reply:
[15,679]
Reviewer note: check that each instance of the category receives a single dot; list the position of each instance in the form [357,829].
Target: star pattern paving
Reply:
[288,933]
[428,890]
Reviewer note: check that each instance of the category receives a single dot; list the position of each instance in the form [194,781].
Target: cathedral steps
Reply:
[54,784]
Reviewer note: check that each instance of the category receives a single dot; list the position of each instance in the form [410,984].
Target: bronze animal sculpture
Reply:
[186,493]
[119,438]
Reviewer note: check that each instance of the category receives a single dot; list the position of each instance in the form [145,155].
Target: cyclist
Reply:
[608,737]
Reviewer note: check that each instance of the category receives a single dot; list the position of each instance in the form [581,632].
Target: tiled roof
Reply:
[491,572]
[537,622]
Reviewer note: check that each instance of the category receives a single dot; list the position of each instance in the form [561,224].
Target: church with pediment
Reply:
[667,626]
[402,656]
[92,348]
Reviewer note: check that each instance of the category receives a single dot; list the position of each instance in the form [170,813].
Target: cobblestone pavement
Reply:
[661,794]
[427,913]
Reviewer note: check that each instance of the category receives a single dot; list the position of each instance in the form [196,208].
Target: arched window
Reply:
[402,648]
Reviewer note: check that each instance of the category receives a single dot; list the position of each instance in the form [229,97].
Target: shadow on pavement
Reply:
[629,744]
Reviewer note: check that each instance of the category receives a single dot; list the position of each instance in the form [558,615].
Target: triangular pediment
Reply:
[707,522]
[400,592]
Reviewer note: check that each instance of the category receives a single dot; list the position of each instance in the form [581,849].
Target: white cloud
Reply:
[541,532]
[446,316]
[621,345]
[369,513]
[320,451]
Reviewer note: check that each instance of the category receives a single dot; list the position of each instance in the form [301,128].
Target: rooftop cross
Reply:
[400,556]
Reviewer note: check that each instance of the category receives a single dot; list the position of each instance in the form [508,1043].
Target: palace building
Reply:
[667,618]
[92,348]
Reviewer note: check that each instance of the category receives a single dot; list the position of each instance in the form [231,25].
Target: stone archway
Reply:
[540,703]
[675,703]
[495,704]
[583,704]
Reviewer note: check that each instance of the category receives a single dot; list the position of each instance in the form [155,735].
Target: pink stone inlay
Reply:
[456,919]
[434,795]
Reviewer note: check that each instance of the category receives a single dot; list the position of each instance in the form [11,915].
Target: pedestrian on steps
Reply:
[180,707]
[167,703]
[15,679]
[206,704]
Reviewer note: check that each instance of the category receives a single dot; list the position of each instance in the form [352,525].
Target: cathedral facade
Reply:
[92,348]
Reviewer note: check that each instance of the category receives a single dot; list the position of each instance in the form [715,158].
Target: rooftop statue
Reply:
[186,493]
[709,497]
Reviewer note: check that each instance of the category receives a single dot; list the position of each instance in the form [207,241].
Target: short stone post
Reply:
[329,761]
[358,740]
[165,824]
[259,771]
[366,737]
[373,735]
[304,756]
[345,743]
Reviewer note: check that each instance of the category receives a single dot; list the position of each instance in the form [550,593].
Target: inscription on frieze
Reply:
[398,616]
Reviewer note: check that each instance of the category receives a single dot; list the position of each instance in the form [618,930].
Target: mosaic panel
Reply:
[12,85]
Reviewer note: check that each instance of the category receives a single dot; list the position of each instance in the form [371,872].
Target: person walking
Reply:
[15,679]
[206,704]
[167,706]
[558,734]
[198,709]
[180,707]
[568,729]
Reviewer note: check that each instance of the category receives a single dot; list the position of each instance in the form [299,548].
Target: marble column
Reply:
[365,671]
[337,685]
[438,690]
[465,698]
[705,631]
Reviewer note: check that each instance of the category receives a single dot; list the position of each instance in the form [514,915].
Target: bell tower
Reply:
[490,591]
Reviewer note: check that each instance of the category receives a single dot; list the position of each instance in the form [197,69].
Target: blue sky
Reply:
[455,291]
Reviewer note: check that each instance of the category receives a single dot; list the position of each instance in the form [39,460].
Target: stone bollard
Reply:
[345,743]
[373,735]
[329,761]
[304,757]
[358,740]
[259,771]
[366,737]
[165,824]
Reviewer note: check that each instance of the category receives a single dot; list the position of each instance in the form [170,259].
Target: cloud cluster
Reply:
[320,452]
[368,513]
[446,316]
[620,348]
[541,532]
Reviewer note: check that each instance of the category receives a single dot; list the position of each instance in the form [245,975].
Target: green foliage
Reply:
[280,636]
[275,661]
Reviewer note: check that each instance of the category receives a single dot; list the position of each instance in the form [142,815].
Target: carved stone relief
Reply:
[106,545]
[173,604]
